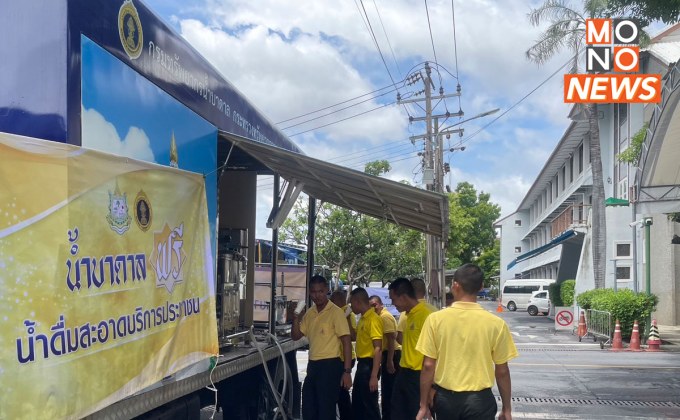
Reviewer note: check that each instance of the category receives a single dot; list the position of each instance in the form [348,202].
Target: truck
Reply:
[128,195]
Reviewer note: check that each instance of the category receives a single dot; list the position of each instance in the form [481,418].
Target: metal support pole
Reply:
[636,286]
[648,257]
[311,235]
[275,254]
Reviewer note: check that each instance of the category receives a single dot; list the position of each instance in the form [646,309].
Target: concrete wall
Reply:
[664,256]
[511,237]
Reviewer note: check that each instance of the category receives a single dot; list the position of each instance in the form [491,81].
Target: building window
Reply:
[564,177]
[518,223]
[571,169]
[622,250]
[580,158]
[518,249]
[623,274]
[623,189]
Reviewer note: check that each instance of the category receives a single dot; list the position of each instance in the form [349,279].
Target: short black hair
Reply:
[470,277]
[376,297]
[419,286]
[402,286]
[317,279]
[360,293]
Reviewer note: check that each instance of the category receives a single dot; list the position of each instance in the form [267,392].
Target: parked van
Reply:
[517,292]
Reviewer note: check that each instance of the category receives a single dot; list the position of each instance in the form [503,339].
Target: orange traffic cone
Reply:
[635,338]
[499,308]
[653,342]
[617,342]
[582,328]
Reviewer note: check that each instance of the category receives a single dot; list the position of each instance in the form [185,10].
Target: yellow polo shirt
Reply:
[467,341]
[389,326]
[413,324]
[403,316]
[353,321]
[369,328]
[323,330]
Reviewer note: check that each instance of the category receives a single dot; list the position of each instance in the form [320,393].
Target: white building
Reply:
[547,236]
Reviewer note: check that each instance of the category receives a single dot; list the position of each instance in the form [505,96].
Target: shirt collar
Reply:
[466,305]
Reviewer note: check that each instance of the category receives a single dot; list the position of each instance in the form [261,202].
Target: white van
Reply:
[517,292]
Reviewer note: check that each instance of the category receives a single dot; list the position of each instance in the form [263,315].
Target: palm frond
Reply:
[553,10]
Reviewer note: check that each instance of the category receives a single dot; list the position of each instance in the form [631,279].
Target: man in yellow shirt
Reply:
[325,326]
[465,348]
[406,391]
[391,354]
[369,337]
[421,291]
[339,298]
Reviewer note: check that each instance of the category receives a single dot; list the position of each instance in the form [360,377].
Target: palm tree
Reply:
[566,30]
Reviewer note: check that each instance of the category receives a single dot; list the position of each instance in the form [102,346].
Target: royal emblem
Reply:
[118,216]
[130,29]
[168,256]
[143,211]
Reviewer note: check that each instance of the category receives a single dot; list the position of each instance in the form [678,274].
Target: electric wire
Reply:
[344,119]
[513,106]
[396,64]
[337,110]
[455,50]
[375,40]
[340,103]
[429,26]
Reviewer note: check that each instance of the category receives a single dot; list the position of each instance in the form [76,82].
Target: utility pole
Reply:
[433,177]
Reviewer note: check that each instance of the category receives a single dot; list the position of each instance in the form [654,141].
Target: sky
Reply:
[291,58]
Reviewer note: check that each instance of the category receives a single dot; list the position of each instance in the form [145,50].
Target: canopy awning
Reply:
[541,249]
[382,198]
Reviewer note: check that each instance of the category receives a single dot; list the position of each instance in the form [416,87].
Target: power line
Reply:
[455,51]
[468,138]
[338,110]
[375,40]
[343,119]
[429,26]
[387,37]
[340,103]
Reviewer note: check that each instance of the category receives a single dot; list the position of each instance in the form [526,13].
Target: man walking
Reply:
[406,391]
[465,348]
[325,326]
[369,336]
[391,355]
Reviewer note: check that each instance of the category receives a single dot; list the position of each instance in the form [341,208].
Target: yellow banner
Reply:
[106,277]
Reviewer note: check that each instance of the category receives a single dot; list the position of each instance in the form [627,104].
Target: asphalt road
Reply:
[558,377]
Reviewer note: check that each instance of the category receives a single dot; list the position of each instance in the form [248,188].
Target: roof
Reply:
[667,52]
[382,198]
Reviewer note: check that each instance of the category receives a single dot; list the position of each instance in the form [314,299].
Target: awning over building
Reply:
[541,249]
[382,198]
[659,181]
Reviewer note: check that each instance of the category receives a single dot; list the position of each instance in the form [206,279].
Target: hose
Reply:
[269,377]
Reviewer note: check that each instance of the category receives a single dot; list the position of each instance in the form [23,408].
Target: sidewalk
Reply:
[670,335]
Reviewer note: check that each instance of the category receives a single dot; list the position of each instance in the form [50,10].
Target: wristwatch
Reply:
[348,370]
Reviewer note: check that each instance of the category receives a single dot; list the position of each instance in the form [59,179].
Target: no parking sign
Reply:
[564,318]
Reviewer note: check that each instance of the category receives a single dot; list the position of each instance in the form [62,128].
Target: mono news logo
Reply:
[612,46]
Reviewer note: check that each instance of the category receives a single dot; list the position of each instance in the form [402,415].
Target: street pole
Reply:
[648,257]
[431,267]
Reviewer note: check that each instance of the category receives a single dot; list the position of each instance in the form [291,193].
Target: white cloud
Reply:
[99,134]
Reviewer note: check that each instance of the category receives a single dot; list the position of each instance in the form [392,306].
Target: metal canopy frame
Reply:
[402,204]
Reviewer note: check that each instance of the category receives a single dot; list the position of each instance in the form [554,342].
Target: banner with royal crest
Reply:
[106,275]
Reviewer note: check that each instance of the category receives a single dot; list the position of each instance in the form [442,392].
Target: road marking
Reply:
[516,334]
[532,336]
[594,366]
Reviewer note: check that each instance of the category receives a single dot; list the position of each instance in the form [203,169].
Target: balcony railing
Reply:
[574,215]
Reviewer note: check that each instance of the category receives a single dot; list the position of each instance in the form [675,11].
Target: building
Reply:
[548,236]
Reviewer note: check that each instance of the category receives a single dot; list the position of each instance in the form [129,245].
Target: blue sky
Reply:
[294,57]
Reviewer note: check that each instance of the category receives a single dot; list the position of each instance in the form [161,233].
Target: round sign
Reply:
[564,318]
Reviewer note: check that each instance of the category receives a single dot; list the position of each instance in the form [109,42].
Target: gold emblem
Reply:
[174,158]
[143,211]
[130,29]
[168,256]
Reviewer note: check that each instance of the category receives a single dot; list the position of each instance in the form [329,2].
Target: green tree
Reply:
[646,11]
[490,262]
[566,30]
[471,217]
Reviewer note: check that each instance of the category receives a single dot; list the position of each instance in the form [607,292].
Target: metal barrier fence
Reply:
[599,325]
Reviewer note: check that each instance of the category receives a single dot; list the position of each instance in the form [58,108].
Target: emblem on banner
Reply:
[130,29]
[168,256]
[118,216]
[143,211]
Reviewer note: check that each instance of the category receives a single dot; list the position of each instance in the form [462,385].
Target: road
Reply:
[556,377]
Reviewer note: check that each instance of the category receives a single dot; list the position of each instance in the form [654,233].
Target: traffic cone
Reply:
[499,308]
[635,338]
[654,342]
[582,328]
[617,342]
